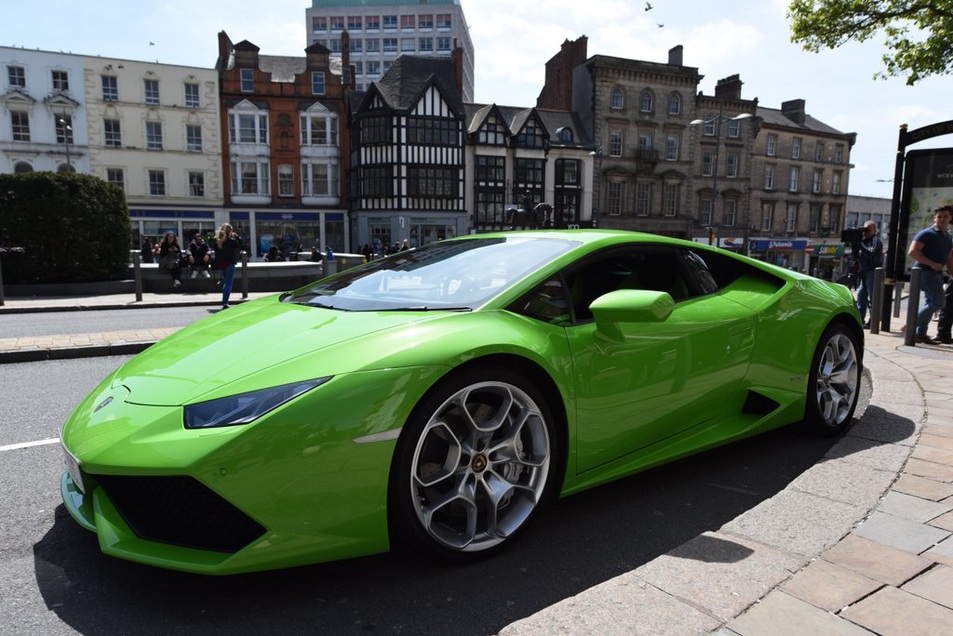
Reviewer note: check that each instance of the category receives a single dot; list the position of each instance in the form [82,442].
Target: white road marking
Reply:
[42,442]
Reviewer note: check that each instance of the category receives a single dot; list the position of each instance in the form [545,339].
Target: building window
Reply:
[247,128]
[795,178]
[60,81]
[250,177]
[489,170]
[615,142]
[815,219]
[767,217]
[769,177]
[731,165]
[428,182]
[408,21]
[390,45]
[730,213]
[373,67]
[835,185]
[671,148]
[20,122]
[796,148]
[375,130]
[425,45]
[116,176]
[708,161]
[408,45]
[772,148]
[836,210]
[354,22]
[708,127]
[706,215]
[151,91]
[247,77]
[317,83]
[674,104]
[567,173]
[319,25]
[390,22]
[112,133]
[614,198]
[319,130]
[443,21]
[193,138]
[643,199]
[20,167]
[372,22]
[372,45]
[356,45]
[154,135]
[443,44]
[838,153]
[319,180]
[617,99]
[191,95]
[196,184]
[790,221]
[425,21]
[670,199]
[816,181]
[819,151]
[337,22]
[286,180]
[376,182]
[432,131]
[734,128]
[531,135]
[335,45]
[110,88]
[646,104]
[64,129]
[16,76]
[157,183]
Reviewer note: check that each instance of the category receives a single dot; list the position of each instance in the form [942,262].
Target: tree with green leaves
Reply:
[917,33]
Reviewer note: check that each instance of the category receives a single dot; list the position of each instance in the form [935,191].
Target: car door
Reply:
[653,380]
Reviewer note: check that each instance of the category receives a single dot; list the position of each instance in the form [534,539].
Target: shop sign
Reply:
[779,244]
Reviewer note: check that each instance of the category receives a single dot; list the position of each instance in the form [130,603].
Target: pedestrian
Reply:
[170,258]
[199,256]
[228,249]
[273,254]
[404,246]
[147,250]
[871,257]
[932,249]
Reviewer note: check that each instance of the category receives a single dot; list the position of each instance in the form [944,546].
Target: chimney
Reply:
[729,87]
[675,55]
[794,110]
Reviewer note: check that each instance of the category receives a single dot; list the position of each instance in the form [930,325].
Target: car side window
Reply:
[547,303]
[711,270]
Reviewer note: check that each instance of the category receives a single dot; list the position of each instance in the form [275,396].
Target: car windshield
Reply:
[452,275]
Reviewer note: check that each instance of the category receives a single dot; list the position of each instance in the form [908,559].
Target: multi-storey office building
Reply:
[44,111]
[407,167]
[154,131]
[381,30]
[284,146]
[799,174]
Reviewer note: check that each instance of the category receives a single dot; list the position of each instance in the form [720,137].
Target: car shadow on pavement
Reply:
[579,542]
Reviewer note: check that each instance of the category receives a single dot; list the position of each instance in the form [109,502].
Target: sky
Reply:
[514,39]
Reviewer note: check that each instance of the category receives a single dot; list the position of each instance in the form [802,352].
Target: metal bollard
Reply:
[137,276]
[877,300]
[913,306]
[897,297]
[244,274]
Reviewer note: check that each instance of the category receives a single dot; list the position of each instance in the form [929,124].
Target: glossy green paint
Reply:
[646,382]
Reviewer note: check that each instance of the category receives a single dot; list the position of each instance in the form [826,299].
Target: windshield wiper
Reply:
[425,308]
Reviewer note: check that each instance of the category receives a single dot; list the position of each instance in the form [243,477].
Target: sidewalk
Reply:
[861,542]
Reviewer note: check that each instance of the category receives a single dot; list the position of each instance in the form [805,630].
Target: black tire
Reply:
[833,386]
[473,465]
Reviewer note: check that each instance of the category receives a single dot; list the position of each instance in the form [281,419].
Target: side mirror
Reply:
[628,306]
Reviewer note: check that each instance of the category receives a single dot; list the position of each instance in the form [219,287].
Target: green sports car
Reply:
[436,398]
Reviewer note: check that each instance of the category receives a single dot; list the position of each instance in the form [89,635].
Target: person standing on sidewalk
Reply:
[227,251]
[170,258]
[871,257]
[932,249]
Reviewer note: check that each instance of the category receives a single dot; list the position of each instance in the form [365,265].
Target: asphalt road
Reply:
[54,580]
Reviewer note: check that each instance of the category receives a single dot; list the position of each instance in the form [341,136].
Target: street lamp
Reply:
[597,153]
[717,120]
[67,133]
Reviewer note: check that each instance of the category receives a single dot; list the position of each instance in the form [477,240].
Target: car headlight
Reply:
[244,407]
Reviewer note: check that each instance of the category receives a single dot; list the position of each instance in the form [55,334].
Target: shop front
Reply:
[290,232]
[153,223]
[826,260]
[786,253]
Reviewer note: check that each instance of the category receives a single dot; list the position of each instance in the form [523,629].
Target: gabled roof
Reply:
[514,117]
[410,76]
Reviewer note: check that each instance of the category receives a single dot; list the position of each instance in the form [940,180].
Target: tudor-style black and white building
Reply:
[407,162]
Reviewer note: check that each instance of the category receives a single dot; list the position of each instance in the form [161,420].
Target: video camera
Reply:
[852,236]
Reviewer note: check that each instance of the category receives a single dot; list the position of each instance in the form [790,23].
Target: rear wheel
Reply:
[834,383]
[473,464]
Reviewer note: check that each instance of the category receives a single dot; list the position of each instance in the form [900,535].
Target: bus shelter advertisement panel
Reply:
[928,184]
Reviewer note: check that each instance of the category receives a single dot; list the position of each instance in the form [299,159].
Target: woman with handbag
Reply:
[170,258]
[228,249]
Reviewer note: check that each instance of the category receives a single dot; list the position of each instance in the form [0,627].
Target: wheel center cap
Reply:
[479,463]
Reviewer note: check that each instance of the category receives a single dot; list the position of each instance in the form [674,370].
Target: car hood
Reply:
[259,342]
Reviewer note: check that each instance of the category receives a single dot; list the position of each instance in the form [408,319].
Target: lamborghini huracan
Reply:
[435,399]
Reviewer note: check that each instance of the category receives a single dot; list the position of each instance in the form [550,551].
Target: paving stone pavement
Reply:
[860,543]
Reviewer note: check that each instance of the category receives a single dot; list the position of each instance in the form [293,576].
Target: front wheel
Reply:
[834,383]
[473,464]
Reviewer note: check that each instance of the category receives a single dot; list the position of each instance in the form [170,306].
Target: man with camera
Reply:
[871,256]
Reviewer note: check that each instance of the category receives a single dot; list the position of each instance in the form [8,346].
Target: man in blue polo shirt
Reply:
[932,249]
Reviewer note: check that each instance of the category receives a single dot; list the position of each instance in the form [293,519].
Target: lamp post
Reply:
[597,174]
[67,133]
[717,121]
